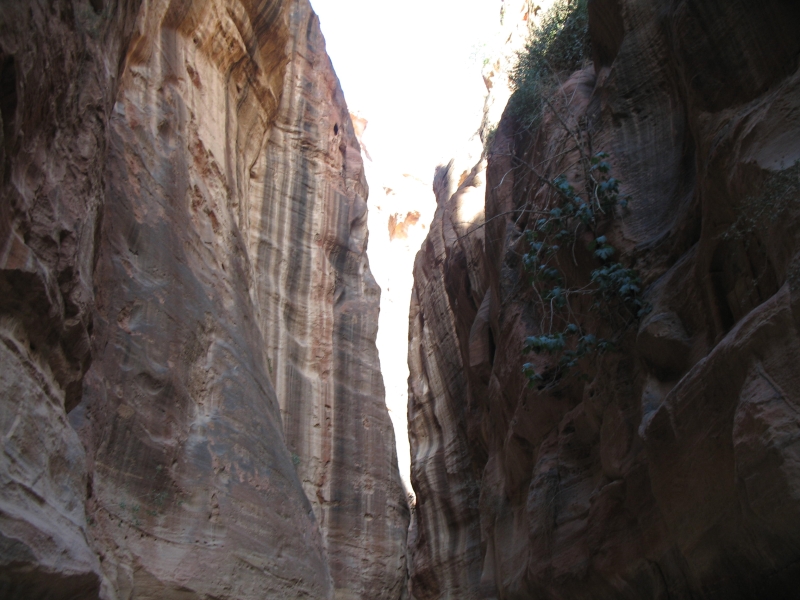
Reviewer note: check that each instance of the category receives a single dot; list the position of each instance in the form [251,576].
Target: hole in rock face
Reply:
[8,105]
[8,89]
[336,129]
[97,5]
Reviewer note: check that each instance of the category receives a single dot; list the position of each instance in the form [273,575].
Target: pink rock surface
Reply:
[184,273]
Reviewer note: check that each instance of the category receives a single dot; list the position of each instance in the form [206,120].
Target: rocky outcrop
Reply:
[188,317]
[670,472]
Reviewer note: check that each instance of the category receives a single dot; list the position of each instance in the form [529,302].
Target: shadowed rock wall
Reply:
[672,471]
[185,285]
[59,70]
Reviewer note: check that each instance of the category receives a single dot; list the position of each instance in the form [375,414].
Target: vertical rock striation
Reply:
[184,273]
[447,297]
[672,471]
[319,313]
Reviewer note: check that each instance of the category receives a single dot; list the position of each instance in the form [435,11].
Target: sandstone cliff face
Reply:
[59,67]
[446,461]
[671,472]
[185,285]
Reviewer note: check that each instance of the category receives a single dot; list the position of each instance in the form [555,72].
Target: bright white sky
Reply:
[413,70]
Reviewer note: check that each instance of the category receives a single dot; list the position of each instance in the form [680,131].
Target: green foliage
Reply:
[557,345]
[560,44]
[619,287]
[555,49]
[616,290]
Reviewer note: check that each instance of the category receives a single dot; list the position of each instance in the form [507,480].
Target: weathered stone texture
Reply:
[671,472]
[318,305]
[58,71]
[184,273]
[445,467]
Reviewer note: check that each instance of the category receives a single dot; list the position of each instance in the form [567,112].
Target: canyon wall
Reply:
[671,469]
[192,404]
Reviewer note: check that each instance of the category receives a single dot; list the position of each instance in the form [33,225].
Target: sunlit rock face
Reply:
[185,285]
[672,471]
[319,308]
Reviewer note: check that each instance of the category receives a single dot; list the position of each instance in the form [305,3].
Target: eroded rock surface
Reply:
[185,285]
[58,71]
[672,471]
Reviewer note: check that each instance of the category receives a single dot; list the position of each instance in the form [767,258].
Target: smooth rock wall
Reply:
[671,472]
[185,285]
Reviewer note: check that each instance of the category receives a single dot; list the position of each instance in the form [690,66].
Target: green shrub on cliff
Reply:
[614,289]
[581,315]
[558,46]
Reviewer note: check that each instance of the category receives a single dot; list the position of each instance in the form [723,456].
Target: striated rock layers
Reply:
[192,404]
[673,470]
